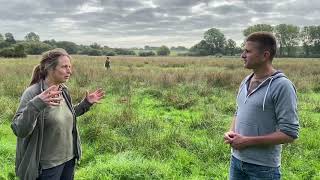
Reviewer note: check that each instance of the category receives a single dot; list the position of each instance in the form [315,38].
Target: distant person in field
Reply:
[266,114]
[107,63]
[48,142]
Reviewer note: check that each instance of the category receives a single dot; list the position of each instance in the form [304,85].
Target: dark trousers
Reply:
[64,171]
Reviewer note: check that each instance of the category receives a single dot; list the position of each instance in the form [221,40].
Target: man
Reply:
[266,115]
[107,63]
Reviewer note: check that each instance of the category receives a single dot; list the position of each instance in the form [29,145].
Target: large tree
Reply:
[231,47]
[288,38]
[9,38]
[163,51]
[315,39]
[307,38]
[95,46]
[216,41]
[1,38]
[31,36]
[257,28]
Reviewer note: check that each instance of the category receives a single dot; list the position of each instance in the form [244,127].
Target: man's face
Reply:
[63,71]
[252,56]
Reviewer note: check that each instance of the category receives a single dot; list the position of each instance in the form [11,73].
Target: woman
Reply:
[48,142]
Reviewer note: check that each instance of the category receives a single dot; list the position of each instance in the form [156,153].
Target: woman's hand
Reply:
[95,97]
[51,96]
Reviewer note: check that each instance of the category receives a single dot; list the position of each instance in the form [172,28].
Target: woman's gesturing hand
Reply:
[51,96]
[95,96]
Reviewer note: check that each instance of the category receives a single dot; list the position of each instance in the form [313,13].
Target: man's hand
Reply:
[236,140]
[239,142]
[228,136]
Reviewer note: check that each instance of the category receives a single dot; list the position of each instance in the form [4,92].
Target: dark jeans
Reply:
[240,170]
[64,171]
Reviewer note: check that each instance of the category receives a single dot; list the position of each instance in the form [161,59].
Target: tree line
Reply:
[293,41]
[9,47]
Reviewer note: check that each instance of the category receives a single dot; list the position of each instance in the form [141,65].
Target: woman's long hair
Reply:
[48,61]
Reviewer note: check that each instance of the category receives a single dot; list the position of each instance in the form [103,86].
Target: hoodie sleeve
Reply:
[285,100]
[25,119]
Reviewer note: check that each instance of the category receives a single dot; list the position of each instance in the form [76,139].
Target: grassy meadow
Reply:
[164,117]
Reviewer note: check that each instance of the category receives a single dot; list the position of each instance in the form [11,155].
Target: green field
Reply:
[164,117]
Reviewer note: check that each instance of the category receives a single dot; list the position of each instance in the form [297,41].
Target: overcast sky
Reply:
[136,23]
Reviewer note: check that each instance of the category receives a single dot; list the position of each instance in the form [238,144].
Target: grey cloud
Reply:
[178,3]
[260,6]
[167,20]
[123,4]
[229,10]
[299,8]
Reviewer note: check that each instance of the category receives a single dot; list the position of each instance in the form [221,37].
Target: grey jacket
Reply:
[271,107]
[28,126]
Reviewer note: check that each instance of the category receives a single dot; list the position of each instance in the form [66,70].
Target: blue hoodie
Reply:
[271,107]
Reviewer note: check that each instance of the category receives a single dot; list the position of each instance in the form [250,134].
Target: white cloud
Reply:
[149,4]
[89,7]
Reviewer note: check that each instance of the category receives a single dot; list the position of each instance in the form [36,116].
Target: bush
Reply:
[108,53]
[121,51]
[70,47]
[94,52]
[219,55]
[4,44]
[146,53]
[183,54]
[12,52]
[198,52]
[36,47]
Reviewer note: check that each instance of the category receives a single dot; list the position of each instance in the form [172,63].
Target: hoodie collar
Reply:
[275,75]
[269,80]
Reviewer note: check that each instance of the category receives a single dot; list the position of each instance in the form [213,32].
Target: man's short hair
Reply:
[266,41]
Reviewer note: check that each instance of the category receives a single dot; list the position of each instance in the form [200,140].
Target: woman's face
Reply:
[62,72]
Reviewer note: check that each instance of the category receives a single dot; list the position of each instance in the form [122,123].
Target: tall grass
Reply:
[163,118]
